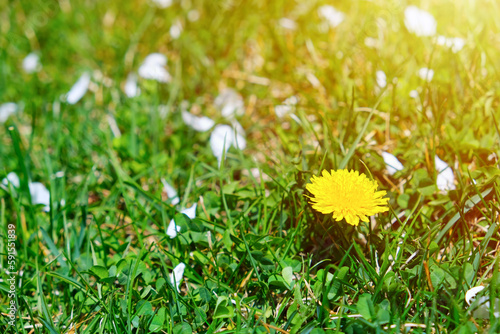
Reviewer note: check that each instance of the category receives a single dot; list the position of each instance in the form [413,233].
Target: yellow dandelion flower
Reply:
[346,194]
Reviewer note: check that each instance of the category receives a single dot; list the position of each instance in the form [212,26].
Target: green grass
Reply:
[258,258]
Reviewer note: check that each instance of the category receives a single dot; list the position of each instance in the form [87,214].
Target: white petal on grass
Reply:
[420,22]
[153,68]
[177,275]
[287,107]
[426,74]
[221,139]
[455,43]
[163,3]
[190,212]
[79,89]
[6,110]
[331,15]
[445,179]
[31,63]
[40,195]
[176,30]
[483,303]
[173,228]
[288,23]
[131,89]
[230,103]
[171,192]
[381,79]
[13,179]
[200,124]
[392,163]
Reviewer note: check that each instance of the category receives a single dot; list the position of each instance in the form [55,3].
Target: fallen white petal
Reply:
[392,163]
[13,179]
[381,79]
[31,63]
[40,195]
[426,73]
[79,89]
[420,22]
[172,229]
[131,89]
[171,192]
[6,110]
[153,68]
[190,212]
[332,15]
[445,179]
[200,124]
[229,103]
[177,275]
[221,139]
[483,303]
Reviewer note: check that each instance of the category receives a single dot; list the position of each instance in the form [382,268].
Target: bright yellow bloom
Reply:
[346,194]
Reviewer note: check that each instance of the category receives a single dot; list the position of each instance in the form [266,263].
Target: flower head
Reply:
[346,194]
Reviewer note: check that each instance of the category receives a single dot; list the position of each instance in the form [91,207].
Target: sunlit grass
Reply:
[286,90]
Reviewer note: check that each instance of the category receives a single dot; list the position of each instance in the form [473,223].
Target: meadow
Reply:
[159,159]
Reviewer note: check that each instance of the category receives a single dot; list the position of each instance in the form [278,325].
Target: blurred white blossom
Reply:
[445,179]
[288,23]
[230,103]
[163,3]
[331,15]
[454,43]
[426,74]
[31,63]
[153,68]
[131,89]
[6,110]
[177,275]
[13,179]
[420,22]
[200,124]
[381,79]
[176,30]
[392,163]
[287,108]
[79,89]
[193,15]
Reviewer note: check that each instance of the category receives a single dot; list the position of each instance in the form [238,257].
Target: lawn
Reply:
[190,166]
